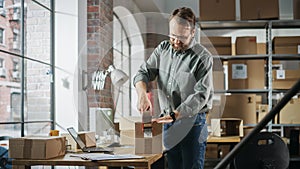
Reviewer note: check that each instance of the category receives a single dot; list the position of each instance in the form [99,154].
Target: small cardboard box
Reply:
[258,9]
[246,74]
[217,45]
[227,127]
[285,79]
[286,45]
[217,10]
[88,138]
[134,135]
[37,147]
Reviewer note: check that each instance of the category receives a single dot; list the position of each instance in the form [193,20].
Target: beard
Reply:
[180,47]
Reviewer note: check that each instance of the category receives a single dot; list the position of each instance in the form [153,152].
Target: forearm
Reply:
[141,88]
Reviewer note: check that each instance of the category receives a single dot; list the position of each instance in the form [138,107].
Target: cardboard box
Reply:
[258,9]
[289,114]
[144,144]
[246,45]
[246,74]
[217,45]
[227,127]
[217,10]
[37,147]
[286,45]
[296,7]
[285,79]
[88,138]
[241,106]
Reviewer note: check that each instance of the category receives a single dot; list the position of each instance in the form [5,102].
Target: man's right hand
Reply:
[144,103]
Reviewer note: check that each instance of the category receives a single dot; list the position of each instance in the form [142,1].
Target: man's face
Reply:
[180,35]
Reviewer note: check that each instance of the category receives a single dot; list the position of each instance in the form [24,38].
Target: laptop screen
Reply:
[74,134]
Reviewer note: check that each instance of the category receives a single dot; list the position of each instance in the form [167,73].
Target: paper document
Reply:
[101,156]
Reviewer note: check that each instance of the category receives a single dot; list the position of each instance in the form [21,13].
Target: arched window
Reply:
[121,60]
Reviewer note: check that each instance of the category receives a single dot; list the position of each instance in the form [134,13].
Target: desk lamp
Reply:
[118,77]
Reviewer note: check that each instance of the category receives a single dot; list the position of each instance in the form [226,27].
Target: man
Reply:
[183,70]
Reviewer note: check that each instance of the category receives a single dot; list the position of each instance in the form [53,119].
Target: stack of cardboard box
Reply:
[246,74]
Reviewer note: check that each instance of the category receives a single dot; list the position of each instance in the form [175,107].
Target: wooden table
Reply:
[67,160]
[223,140]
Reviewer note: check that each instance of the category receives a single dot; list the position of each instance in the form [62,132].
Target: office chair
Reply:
[265,151]
[5,162]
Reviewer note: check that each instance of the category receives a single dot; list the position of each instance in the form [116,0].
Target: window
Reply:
[121,52]
[26,103]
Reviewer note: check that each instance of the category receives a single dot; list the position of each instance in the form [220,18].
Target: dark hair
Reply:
[185,16]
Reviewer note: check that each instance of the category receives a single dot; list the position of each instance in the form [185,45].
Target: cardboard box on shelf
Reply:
[246,45]
[217,45]
[246,74]
[257,9]
[296,7]
[37,147]
[216,10]
[285,79]
[242,106]
[286,45]
[289,114]
[227,127]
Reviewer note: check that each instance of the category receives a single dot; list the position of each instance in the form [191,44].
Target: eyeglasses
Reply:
[180,38]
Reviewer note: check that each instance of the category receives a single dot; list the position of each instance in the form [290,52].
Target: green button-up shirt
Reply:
[184,78]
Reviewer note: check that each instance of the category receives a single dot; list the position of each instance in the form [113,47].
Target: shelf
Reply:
[242,91]
[255,24]
[250,24]
[240,57]
[285,57]
[286,24]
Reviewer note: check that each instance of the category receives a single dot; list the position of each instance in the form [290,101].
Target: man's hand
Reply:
[144,103]
[167,118]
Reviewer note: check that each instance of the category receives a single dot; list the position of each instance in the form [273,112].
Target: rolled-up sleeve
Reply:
[148,71]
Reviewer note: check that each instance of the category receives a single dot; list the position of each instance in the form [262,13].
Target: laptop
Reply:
[83,147]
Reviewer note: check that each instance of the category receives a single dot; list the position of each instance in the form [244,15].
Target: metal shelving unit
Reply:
[269,26]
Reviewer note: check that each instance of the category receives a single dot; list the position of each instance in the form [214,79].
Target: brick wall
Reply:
[99,48]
